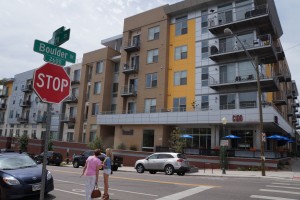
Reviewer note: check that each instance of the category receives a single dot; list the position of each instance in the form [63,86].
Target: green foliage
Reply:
[133,147]
[96,144]
[177,143]
[121,146]
[23,142]
[50,145]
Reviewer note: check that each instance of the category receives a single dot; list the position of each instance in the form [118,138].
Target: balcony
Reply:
[130,69]
[27,88]
[258,16]
[41,119]
[245,83]
[2,120]
[68,119]
[132,46]
[71,99]
[22,119]
[3,94]
[25,104]
[3,106]
[279,99]
[129,91]
[262,47]
[75,82]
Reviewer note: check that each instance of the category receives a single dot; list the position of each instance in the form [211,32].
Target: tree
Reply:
[23,142]
[177,143]
[50,145]
[96,144]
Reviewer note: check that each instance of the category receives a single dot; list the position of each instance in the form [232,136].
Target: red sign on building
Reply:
[51,83]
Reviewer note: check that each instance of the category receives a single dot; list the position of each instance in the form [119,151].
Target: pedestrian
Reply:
[91,170]
[106,171]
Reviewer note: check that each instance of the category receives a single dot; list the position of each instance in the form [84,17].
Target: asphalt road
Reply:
[134,186]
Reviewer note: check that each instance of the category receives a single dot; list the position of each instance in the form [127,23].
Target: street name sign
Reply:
[54,51]
[51,83]
[54,60]
[60,36]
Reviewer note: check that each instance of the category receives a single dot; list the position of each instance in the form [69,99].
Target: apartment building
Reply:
[179,68]
[5,93]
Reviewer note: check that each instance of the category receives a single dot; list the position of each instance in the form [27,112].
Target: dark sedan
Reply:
[52,158]
[20,176]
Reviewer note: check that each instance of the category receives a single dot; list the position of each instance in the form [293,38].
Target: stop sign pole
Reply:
[51,83]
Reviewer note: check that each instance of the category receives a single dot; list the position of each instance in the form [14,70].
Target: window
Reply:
[204,76]
[181,52]
[152,56]
[11,114]
[225,13]
[18,133]
[151,80]
[153,33]
[227,73]
[77,75]
[181,25]
[92,136]
[95,109]
[131,107]
[115,89]
[148,140]
[99,67]
[116,68]
[227,101]
[97,88]
[247,100]
[150,105]
[204,49]
[180,78]
[204,102]
[204,23]
[179,104]
[113,108]
[70,136]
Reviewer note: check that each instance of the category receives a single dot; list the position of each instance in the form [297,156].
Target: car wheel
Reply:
[180,173]
[169,170]
[152,172]
[75,164]
[140,168]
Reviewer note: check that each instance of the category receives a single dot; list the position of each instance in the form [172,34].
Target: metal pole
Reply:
[224,153]
[44,174]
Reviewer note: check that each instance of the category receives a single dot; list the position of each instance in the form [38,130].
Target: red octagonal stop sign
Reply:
[51,83]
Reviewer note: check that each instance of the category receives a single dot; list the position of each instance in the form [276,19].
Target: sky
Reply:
[90,21]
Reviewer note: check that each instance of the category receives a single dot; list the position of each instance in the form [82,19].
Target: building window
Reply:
[150,105]
[179,104]
[115,89]
[227,101]
[152,56]
[204,76]
[131,107]
[70,137]
[151,80]
[153,33]
[97,88]
[204,102]
[181,52]
[247,100]
[148,140]
[77,75]
[18,133]
[11,114]
[181,25]
[228,73]
[113,108]
[99,67]
[92,136]
[95,109]
[180,78]
[204,23]
[116,68]
[204,49]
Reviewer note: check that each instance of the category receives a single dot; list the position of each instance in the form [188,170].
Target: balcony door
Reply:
[227,73]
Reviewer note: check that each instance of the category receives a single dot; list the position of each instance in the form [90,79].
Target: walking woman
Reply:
[91,171]
[106,172]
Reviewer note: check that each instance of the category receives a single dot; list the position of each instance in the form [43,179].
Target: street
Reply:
[134,186]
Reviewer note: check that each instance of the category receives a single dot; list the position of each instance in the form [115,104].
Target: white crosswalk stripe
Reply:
[186,193]
[269,197]
[285,187]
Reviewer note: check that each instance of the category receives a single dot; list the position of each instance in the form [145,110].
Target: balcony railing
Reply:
[25,104]
[41,119]
[3,106]
[129,91]
[27,88]
[130,69]
[75,82]
[71,99]
[68,119]
[132,46]
[22,119]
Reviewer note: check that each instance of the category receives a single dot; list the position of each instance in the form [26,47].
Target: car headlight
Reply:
[49,175]
[11,180]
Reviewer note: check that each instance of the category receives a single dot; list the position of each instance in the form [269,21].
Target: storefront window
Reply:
[244,142]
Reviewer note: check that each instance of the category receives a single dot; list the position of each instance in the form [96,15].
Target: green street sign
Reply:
[54,60]
[60,36]
[54,51]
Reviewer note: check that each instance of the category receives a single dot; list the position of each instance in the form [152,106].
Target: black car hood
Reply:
[26,175]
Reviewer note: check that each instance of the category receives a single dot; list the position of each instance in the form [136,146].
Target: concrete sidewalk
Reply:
[292,173]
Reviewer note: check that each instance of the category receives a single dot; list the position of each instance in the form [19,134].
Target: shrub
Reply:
[133,147]
[121,146]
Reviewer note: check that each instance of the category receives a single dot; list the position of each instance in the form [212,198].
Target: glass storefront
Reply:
[201,138]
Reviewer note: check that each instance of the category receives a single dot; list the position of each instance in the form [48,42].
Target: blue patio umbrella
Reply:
[291,140]
[232,137]
[276,137]
[186,136]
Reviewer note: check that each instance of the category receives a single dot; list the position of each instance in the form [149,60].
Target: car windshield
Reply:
[16,162]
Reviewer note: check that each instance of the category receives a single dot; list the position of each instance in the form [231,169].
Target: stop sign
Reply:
[51,83]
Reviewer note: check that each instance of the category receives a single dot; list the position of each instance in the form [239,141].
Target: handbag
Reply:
[96,193]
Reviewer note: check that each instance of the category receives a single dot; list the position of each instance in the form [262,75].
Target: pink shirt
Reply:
[92,163]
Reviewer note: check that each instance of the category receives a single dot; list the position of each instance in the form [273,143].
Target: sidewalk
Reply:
[293,173]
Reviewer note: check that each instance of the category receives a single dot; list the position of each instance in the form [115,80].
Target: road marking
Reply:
[78,190]
[268,197]
[186,193]
[279,191]
[276,186]
[126,191]
[281,183]
[70,192]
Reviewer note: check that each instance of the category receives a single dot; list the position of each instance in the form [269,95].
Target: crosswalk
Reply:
[279,190]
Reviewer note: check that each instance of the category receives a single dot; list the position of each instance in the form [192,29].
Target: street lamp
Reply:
[254,62]
[223,148]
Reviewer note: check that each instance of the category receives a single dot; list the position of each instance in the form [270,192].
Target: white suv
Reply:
[167,162]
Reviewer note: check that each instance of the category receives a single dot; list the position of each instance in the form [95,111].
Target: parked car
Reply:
[79,160]
[52,158]
[20,176]
[165,162]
